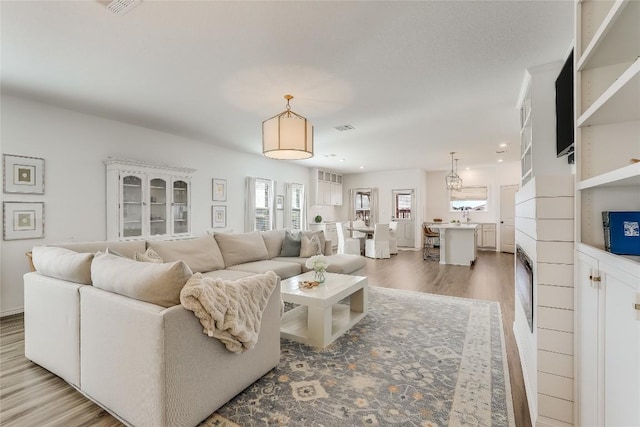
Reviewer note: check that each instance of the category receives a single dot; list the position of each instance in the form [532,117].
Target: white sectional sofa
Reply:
[149,364]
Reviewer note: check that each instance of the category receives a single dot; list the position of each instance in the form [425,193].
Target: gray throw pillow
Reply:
[291,244]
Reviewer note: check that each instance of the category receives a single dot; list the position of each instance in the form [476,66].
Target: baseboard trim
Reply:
[550,422]
[532,398]
[12,312]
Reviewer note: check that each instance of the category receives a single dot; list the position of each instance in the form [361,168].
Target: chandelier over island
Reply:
[453,180]
[287,136]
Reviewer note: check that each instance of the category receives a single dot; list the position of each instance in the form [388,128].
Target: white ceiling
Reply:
[415,79]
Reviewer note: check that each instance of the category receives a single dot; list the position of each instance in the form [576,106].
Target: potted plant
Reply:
[318,219]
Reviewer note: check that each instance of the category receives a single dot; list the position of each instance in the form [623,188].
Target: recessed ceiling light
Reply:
[503,144]
[342,160]
[499,160]
[342,128]
[361,167]
[468,168]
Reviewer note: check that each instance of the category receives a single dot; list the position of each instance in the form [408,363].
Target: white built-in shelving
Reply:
[607,105]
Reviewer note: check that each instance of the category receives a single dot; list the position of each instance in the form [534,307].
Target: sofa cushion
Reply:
[273,240]
[201,254]
[227,274]
[282,269]
[63,264]
[241,248]
[310,246]
[344,263]
[147,256]
[127,248]
[155,283]
[291,244]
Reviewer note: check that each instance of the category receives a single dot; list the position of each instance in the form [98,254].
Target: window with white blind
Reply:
[264,210]
[469,198]
[297,203]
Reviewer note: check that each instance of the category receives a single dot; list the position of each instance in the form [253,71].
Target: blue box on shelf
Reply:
[621,232]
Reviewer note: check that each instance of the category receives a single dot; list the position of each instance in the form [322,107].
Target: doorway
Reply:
[507,218]
[403,213]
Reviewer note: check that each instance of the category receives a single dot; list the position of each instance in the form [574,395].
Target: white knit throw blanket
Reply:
[230,311]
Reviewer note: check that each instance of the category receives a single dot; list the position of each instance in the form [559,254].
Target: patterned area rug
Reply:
[415,360]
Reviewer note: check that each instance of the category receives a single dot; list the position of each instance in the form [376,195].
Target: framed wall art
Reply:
[279,203]
[218,216]
[23,174]
[23,220]
[219,190]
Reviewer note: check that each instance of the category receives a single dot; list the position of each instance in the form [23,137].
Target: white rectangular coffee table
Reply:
[319,319]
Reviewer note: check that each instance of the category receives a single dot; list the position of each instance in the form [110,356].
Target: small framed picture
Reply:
[23,174]
[219,190]
[279,203]
[23,220]
[218,216]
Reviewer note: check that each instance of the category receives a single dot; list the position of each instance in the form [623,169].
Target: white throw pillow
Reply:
[148,256]
[310,246]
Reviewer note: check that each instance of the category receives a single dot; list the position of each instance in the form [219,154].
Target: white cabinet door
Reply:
[336,194]
[181,201]
[489,236]
[621,348]
[479,236]
[587,335]
[324,193]
[608,334]
[405,233]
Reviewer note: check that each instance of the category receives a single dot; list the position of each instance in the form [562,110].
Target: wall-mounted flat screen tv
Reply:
[564,109]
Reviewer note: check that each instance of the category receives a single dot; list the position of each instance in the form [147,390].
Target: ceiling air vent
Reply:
[120,7]
[342,128]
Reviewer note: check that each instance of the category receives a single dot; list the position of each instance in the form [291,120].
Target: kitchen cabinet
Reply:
[326,188]
[486,236]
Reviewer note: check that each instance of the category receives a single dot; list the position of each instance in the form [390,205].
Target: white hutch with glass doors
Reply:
[146,201]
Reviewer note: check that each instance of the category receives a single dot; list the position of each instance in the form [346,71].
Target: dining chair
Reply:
[393,241]
[346,245]
[431,243]
[378,247]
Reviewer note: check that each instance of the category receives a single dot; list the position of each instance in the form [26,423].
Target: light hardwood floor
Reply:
[31,396]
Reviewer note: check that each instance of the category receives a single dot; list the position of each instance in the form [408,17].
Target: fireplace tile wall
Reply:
[544,230]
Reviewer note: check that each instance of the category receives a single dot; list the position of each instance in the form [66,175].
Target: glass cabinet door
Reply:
[180,207]
[132,203]
[158,207]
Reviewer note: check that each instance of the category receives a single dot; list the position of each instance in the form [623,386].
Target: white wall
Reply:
[74,146]
[437,205]
[386,181]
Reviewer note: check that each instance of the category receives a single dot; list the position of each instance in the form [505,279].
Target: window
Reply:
[297,203]
[264,208]
[469,198]
[402,203]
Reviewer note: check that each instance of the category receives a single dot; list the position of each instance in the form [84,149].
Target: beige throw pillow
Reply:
[151,282]
[240,248]
[201,254]
[310,246]
[148,256]
[63,264]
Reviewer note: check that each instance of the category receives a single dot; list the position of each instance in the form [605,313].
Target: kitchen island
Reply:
[457,243]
